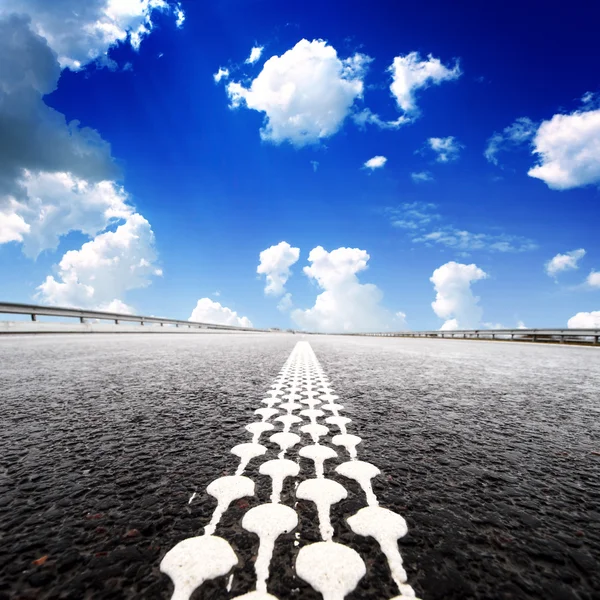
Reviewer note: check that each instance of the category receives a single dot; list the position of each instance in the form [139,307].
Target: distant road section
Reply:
[490,452]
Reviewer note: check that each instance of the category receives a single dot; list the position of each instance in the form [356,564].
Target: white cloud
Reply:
[585,320]
[83,32]
[446,149]
[520,132]
[57,177]
[179,14]
[564,262]
[454,298]
[255,55]
[410,73]
[421,176]
[275,263]
[365,116]
[222,73]
[345,304]
[116,306]
[521,325]
[315,165]
[285,304]
[375,163]
[593,279]
[60,202]
[209,311]
[12,226]
[568,149]
[401,320]
[306,93]
[104,268]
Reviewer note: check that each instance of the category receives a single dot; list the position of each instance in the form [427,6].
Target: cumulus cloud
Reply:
[410,73]
[568,150]
[83,32]
[454,300]
[375,163]
[12,226]
[305,94]
[593,279]
[585,320]
[520,132]
[446,149]
[275,263]
[421,176]
[209,311]
[564,262]
[255,55]
[345,304]
[60,202]
[104,268]
[222,73]
[57,176]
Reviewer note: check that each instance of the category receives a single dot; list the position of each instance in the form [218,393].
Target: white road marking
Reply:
[226,490]
[329,567]
[324,493]
[195,560]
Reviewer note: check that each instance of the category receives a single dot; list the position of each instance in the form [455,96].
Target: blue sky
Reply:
[481,129]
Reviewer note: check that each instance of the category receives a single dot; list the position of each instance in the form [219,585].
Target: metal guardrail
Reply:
[83,315]
[562,336]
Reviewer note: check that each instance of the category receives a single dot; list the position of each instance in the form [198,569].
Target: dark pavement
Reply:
[490,451]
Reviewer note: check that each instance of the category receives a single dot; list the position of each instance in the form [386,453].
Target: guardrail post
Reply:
[142,323]
[161,324]
[596,340]
[81,320]
[116,321]
[534,337]
[562,339]
[34,317]
[493,336]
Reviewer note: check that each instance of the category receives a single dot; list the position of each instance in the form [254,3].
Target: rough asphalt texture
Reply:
[489,450]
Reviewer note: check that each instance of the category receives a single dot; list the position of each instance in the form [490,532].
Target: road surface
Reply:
[489,451]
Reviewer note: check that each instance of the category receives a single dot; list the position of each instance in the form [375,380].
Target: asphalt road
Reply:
[490,451]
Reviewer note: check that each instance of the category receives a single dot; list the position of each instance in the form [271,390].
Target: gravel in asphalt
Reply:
[490,451]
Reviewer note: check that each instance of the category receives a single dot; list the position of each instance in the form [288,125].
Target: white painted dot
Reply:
[247,452]
[193,561]
[387,528]
[362,472]
[318,454]
[332,569]
[226,490]
[324,493]
[278,470]
[268,522]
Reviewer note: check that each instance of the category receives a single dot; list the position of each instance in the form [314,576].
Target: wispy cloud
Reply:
[421,176]
[255,55]
[424,224]
[446,149]
[513,136]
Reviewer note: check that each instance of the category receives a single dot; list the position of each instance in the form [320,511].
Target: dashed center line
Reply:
[300,398]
